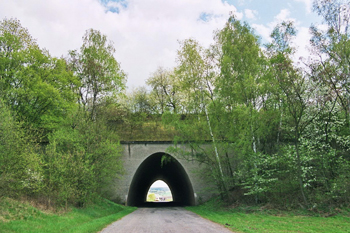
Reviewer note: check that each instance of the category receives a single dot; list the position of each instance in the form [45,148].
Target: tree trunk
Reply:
[216,152]
[300,171]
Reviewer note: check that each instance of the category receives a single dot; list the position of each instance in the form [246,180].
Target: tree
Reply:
[296,93]
[195,76]
[330,69]
[140,101]
[332,47]
[99,72]
[241,94]
[195,81]
[165,90]
[35,85]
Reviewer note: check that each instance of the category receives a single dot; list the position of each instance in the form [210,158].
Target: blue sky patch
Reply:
[268,9]
[114,5]
[204,16]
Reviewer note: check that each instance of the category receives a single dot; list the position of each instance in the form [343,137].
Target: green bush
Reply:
[20,164]
[80,161]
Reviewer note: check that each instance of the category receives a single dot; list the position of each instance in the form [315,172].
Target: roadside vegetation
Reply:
[243,218]
[54,150]
[52,145]
[21,216]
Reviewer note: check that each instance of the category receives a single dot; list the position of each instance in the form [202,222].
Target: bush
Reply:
[81,161]
[20,164]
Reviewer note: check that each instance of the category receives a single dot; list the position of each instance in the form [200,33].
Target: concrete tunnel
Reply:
[171,172]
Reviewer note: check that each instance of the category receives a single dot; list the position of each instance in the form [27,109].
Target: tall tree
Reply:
[240,92]
[35,85]
[296,93]
[99,72]
[196,78]
[332,47]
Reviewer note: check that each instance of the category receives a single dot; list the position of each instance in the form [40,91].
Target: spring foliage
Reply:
[281,132]
[50,147]
[267,130]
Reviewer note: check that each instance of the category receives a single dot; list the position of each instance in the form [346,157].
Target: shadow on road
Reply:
[160,204]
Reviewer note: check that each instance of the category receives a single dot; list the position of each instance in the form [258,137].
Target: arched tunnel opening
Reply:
[170,171]
[159,192]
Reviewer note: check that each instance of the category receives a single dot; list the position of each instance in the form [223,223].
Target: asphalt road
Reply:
[164,220]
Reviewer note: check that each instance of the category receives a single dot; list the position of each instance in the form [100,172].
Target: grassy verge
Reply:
[257,220]
[19,217]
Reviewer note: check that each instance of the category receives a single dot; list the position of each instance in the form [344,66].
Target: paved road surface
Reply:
[164,220]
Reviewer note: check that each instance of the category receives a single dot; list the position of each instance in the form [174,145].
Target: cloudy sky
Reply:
[146,32]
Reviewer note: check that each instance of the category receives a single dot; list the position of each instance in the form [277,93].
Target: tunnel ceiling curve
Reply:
[171,172]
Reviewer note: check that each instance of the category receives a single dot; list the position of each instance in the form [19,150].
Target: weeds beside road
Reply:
[254,219]
[20,217]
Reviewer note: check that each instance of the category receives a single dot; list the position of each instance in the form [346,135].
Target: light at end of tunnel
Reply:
[159,192]
[158,184]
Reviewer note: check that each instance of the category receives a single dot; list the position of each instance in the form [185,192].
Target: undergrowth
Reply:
[21,216]
[265,218]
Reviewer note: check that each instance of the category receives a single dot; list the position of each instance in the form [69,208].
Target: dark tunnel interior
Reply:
[171,172]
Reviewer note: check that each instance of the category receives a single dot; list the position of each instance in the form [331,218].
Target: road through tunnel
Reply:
[170,171]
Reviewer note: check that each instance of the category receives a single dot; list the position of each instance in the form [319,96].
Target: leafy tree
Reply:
[195,80]
[240,92]
[195,76]
[35,85]
[99,72]
[165,90]
[332,47]
[297,95]
[325,139]
[140,101]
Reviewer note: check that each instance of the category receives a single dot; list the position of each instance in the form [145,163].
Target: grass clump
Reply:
[16,216]
[11,210]
[264,219]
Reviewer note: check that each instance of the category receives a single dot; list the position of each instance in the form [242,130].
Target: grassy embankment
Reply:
[259,219]
[22,217]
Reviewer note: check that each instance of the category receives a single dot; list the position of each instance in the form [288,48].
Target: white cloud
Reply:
[266,30]
[308,4]
[243,2]
[282,16]
[263,30]
[301,40]
[145,33]
[250,14]
[301,43]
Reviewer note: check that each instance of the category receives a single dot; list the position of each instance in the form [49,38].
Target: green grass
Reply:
[257,220]
[18,217]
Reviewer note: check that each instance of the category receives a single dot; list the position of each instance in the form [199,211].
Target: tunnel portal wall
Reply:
[170,171]
[137,156]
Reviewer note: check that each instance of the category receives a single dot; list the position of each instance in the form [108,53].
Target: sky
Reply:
[159,183]
[146,33]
